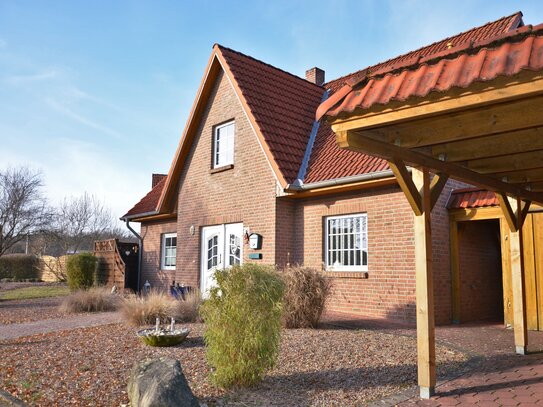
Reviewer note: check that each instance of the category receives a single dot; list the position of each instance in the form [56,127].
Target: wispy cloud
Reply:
[27,79]
[65,110]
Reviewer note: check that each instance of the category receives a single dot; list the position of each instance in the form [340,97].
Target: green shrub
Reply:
[81,270]
[19,267]
[306,291]
[96,299]
[145,310]
[243,324]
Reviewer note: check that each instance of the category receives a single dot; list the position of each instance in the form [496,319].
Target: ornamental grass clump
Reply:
[188,310]
[243,324]
[306,292]
[146,309]
[92,300]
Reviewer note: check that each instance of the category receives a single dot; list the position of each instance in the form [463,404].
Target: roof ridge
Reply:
[267,64]
[368,68]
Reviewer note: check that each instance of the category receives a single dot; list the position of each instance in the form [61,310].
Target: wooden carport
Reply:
[474,114]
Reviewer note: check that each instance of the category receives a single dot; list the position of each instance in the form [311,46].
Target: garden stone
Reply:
[159,383]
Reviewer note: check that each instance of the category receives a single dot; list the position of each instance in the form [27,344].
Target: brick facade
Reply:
[292,229]
[152,232]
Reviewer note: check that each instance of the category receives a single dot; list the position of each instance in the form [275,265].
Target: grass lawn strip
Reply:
[332,367]
[27,293]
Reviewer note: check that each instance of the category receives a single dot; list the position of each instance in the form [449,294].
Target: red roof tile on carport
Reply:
[468,198]
[505,55]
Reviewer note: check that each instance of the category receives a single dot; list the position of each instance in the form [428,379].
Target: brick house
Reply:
[254,161]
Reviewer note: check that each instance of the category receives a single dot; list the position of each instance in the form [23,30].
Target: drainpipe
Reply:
[140,250]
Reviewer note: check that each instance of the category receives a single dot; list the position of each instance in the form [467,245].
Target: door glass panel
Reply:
[212,252]
[234,250]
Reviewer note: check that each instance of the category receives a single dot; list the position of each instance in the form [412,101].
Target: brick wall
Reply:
[245,193]
[389,290]
[481,292]
[151,232]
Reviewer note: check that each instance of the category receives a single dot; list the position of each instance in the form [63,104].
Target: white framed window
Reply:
[346,242]
[223,145]
[169,251]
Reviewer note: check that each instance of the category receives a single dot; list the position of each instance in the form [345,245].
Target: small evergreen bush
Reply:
[81,270]
[19,267]
[306,291]
[243,324]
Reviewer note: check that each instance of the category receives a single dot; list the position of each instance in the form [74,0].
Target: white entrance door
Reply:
[222,247]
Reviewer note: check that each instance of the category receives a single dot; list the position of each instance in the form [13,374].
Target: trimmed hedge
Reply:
[19,267]
[243,324]
[81,271]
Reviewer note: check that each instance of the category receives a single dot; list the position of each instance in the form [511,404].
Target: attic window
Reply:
[223,145]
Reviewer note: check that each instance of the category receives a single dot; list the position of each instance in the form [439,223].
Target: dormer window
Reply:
[223,145]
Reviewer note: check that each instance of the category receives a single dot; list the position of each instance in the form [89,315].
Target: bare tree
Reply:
[23,208]
[82,220]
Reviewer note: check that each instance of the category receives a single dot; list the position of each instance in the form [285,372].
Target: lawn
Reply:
[316,367]
[37,291]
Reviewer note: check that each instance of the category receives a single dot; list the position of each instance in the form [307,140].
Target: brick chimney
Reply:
[315,75]
[157,178]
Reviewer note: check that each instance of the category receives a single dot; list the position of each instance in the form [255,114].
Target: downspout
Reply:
[140,250]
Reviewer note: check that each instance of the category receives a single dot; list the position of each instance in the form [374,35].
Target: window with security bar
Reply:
[346,242]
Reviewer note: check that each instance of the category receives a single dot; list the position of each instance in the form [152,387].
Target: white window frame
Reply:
[163,265]
[364,233]
[223,148]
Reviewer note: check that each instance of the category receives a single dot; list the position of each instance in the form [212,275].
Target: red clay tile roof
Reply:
[149,202]
[328,161]
[284,108]
[282,104]
[461,66]
[468,198]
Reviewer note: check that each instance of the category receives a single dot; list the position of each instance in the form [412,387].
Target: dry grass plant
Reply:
[188,310]
[144,310]
[96,299]
[306,292]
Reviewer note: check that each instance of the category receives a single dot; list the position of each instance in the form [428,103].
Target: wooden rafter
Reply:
[524,114]
[436,187]
[356,141]
[495,145]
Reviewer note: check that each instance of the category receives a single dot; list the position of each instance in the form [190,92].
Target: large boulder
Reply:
[159,383]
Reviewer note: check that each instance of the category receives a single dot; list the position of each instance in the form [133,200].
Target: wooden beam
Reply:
[436,187]
[406,184]
[357,142]
[499,90]
[523,114]
[424,288]
[508,213]
[522,177]
[491,146]
[511,162]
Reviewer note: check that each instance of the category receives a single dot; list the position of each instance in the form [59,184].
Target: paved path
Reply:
[498,376]
[12,331]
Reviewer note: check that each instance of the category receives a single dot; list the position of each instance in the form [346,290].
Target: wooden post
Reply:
[515,220]
[424,288]
[455,270]
[519,285]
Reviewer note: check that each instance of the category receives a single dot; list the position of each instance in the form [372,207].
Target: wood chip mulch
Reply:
[36,309]
[324,367]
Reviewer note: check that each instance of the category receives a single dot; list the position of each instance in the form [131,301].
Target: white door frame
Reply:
[223,257]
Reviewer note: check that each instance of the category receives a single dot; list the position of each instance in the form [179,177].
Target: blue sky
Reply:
[96,94]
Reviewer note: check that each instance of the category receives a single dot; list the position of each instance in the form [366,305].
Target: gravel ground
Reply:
[332,367]
[37,309]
